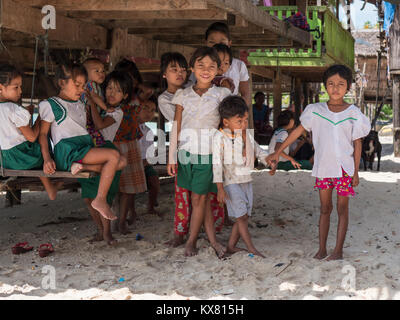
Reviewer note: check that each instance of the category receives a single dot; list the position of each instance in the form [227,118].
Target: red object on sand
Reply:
[21,247]
[45,249]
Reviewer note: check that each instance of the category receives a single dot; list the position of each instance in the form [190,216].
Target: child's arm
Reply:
[273,158]
[217,160]
[99,122]
[95,98]
[288,157]
[173,141]
[31,133]
[49,166]
[357,158]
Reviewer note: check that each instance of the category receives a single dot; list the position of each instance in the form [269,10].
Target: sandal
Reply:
[45,249]
[21,247]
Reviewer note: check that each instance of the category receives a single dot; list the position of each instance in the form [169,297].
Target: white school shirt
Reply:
[68,119]
[110,131]
[229,164]
[165,105]
[279,136]
[146,143]
[237,72]
[333,136]
[199,112]
[12,116]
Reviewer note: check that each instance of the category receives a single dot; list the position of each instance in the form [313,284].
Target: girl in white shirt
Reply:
[18,140]
[337,130]
[198,106]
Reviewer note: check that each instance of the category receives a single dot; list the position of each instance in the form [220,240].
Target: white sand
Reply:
[286,203]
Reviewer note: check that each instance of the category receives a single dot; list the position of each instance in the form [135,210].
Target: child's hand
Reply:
[31,109]
[295,164]
[222,196]
[49,167]
[110,110]
[272,160]
[172,169]
[355,180]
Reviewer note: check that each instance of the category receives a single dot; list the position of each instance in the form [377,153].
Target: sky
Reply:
[370,13]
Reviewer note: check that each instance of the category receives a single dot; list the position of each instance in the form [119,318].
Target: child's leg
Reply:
[220,250]
[233,239]
[126,200]
[196,221]
[227,222]
[325,197]
[78,167]
[110,159]
[218,212]
[343,214]
[131,216]
[154,188]
[51,188]
[243,228]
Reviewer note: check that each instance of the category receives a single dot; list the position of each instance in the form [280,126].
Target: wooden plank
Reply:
[40,173]
[121,5]
[257,16]
[73,32]
[209,14]
[262,72]
[277,97]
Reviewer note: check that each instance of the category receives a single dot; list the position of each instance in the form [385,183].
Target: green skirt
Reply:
[71,150]
[287,165]
[89,187]
[25,156]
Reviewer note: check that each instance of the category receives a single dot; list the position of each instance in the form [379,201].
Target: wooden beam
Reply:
[262,72]
[121,5]
[18,17]
[159,24]
[261,18]
[209,14]
[277,107]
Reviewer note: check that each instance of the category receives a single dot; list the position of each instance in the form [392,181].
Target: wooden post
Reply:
[302,6]
[251,120]
[396,115]
[277,97]
[297,99]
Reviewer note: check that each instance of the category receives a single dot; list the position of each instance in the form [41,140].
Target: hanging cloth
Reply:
[390,9]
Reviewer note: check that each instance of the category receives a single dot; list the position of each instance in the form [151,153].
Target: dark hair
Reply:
[343,71]
[258,93]
[220,47]
[8,73]
[218,27]
[69,70]
[171,58]
[284,118]
[129,66]
[202,52]
[89,60]
[124,81]
[232,106]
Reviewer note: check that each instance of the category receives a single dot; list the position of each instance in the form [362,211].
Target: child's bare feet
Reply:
[257,253]
[96,238]
[335,256]
[233,250]
[175,242]
[76,168]
[110,240]
[154,211]
[123,229]
[131,218]
[190,250]
[220,250]
[103,208]
[321,254]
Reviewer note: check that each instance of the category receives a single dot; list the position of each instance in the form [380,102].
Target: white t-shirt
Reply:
[279,136]
[200,112]
[166,107]
[110,132]
[12,116]
[68,119]
[146,143]
[237,72]
[333,136]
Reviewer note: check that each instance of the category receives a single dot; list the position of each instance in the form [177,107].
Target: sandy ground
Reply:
[284,227]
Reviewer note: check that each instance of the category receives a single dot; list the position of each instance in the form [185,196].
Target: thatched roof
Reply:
[366,42]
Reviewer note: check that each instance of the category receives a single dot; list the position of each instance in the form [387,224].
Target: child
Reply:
[233,160]
[94,95]
[174,73]
[18,146]
[196,117]
[147,148]
[337,129]
[225,55]
[118,89]
[74,150]
[286,162]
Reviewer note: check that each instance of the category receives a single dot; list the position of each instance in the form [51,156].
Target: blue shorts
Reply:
[240,200]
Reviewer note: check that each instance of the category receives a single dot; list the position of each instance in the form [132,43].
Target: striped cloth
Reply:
[133,179]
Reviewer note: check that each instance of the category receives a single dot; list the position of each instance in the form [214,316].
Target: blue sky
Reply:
[370,13]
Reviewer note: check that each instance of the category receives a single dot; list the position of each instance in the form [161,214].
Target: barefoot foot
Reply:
[190,250]
[104,209]
[321,254]
[123,229]
[96,238]
[175,242]
[335,256]
[257,253]
[233,250]
[220,250]
[76,168]
[110,240]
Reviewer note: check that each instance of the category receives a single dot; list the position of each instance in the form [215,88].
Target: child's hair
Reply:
[284,118]
[91,60]
[258,93]
[232,106]
[171,58]
[8,73]
[223,48]
[126,65]
[343,71]
[218,27]
[202,52]
[124,81]
[68,70]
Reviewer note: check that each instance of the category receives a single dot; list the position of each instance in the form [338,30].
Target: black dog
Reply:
[370,147]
